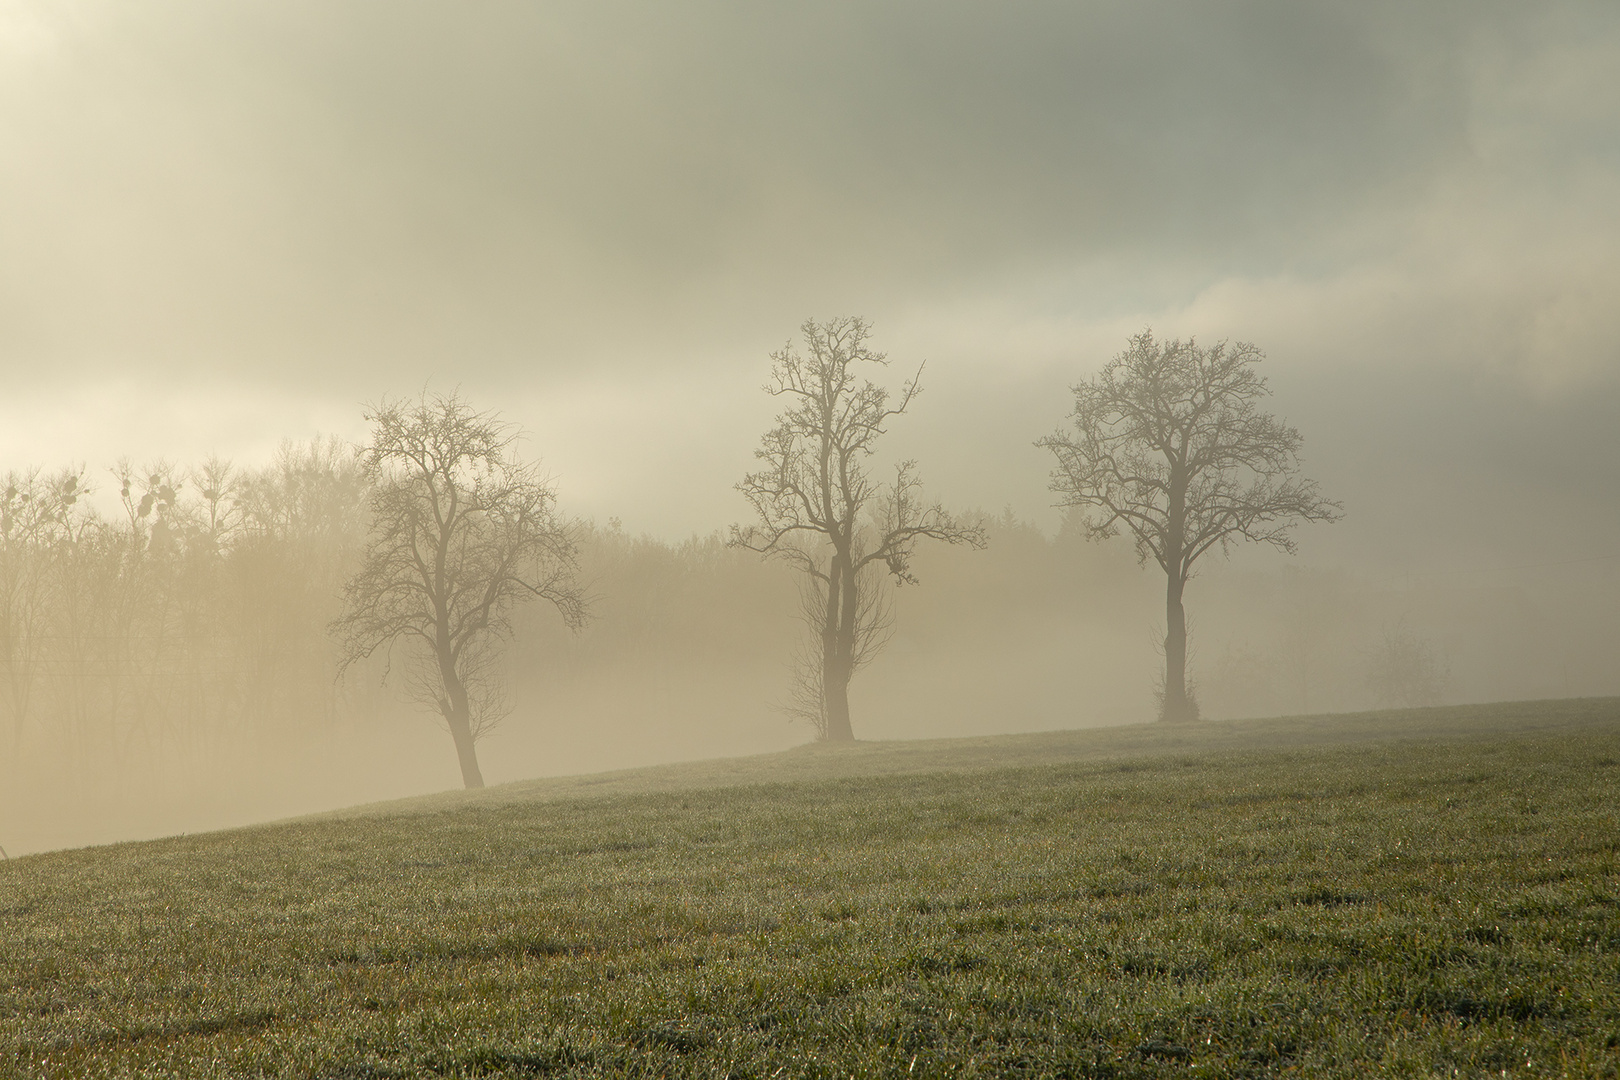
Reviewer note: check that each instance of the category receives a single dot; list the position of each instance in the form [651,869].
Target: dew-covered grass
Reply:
[1439,905]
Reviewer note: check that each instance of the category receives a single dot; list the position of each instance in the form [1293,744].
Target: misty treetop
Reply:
[1169,441]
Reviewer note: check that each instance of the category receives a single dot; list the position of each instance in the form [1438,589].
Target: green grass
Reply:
[1355,902]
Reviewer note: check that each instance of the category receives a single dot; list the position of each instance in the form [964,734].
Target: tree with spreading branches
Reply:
[818,506]
[461,531]
[1169,442]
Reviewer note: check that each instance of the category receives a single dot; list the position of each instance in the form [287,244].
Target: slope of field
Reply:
[1391,894]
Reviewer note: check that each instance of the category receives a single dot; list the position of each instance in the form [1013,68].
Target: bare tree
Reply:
[1169,441]
[819,508]
[219,484]
[460,532]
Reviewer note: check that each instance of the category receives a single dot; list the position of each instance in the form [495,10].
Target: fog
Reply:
[225,228]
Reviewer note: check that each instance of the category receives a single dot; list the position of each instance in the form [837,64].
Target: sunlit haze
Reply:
[228,226]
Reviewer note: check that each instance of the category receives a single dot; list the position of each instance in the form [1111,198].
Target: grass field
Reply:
[1427,893]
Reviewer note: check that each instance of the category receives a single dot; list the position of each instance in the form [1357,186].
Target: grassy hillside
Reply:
[1398,894]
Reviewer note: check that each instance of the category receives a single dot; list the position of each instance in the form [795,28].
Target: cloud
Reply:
[293,184]
[601,216]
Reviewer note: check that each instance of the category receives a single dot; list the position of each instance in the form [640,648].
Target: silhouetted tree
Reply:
[1169,441]
[460,532]
[820,509]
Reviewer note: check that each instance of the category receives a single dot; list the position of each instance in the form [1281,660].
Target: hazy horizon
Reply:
[226,226]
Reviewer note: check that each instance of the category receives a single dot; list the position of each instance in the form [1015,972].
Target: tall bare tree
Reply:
[461,531]
[1169,441]
[818,506]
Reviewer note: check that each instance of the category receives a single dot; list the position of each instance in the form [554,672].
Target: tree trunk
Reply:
[835,671]
[1177,706]
[458,716]
[466,751]
[838,728]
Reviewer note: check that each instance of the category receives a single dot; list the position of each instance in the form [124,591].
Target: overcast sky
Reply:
[223,224]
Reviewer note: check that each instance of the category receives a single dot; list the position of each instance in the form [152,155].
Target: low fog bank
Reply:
[177,674]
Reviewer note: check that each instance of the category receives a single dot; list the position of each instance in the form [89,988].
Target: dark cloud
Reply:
[288,183]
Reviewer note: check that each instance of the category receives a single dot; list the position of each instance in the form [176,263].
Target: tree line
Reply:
[217,598]
[191,618]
